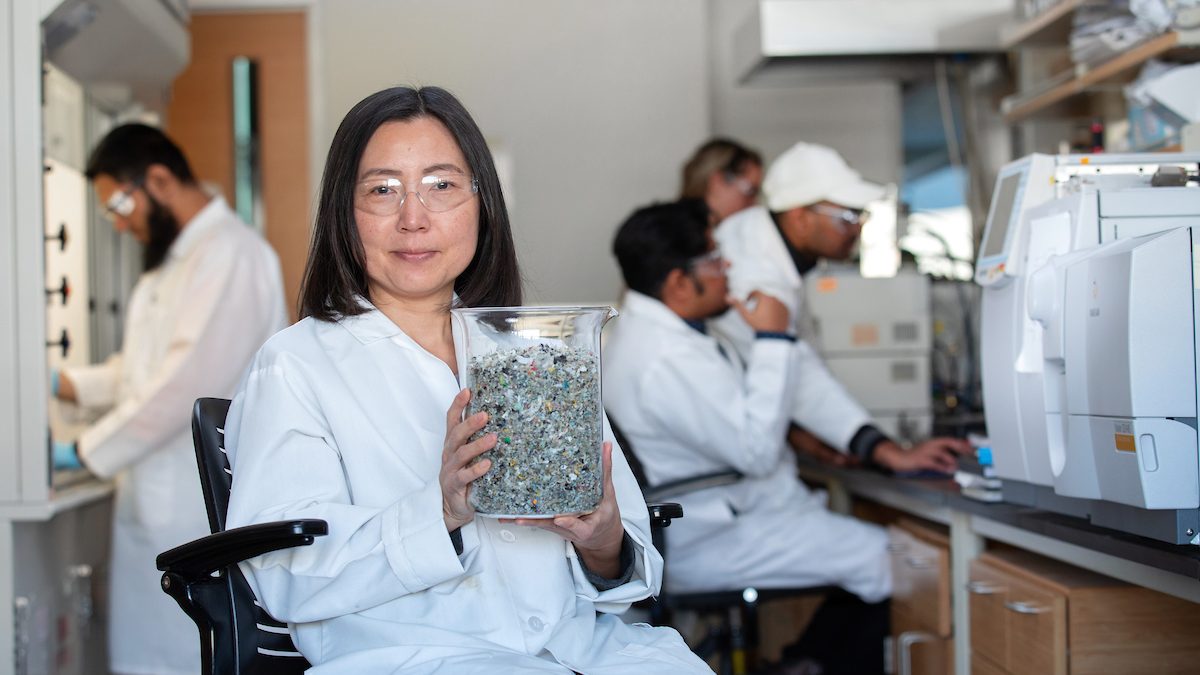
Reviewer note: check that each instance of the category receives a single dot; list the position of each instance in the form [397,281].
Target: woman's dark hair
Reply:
[336,271]
[719,154]
[659,238]
[128,150]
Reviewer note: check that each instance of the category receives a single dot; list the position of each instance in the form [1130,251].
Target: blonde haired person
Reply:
[725,174]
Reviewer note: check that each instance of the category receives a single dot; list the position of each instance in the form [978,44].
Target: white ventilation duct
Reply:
[787,29]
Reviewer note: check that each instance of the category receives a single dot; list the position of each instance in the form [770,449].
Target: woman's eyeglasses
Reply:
[385,196]
[743,185]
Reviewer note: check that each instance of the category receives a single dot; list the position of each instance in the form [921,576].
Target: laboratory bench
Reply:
[948,549]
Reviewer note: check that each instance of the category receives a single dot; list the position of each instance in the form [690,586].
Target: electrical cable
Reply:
[950,132]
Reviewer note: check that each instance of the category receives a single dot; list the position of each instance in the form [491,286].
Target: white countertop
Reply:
[61,499]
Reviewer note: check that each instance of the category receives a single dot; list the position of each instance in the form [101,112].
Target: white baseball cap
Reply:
[807,173]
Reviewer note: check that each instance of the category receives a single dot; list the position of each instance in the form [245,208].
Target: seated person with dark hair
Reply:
[689,406]
[354,416]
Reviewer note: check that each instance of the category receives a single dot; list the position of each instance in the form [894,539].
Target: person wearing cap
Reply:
[815,207]
[690,405]
[725,174]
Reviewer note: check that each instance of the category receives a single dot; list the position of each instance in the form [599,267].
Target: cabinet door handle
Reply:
[904,646]
[918,562]
[983,588]
[1026,608]
[897,547]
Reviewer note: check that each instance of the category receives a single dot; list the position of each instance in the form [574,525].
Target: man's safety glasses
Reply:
[710,264]
[384,196]
[842,216]
[120,204]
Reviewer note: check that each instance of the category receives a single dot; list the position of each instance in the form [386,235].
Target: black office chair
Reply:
[735,637]
[237,636]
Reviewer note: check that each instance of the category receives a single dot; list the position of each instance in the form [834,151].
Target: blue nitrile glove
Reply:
[65,456]
[54,380]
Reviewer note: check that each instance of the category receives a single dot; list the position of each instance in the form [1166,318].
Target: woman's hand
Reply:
[457,473]
[597,536]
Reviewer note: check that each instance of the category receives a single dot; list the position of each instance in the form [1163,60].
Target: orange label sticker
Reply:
[864,335]
[1124,442]
[827,284]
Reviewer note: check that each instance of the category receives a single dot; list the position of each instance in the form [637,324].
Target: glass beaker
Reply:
[536,372]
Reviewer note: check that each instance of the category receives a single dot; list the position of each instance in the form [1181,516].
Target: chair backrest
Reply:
[670,489]
[244,639]
[216,479]
[635,464]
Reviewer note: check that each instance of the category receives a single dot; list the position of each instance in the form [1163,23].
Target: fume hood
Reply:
[122,50]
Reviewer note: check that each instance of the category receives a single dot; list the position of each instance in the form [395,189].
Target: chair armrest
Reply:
[663,513]
[693,484]
[218,551]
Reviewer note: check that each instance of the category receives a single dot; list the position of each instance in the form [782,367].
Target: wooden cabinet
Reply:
[921,616]
[1036,622]
[982,666]
[1031,615]
[918,651]
[989,638]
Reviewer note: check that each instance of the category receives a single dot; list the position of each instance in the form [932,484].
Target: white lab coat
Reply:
[345,422]
[689,406]
[192,326]
[759,260]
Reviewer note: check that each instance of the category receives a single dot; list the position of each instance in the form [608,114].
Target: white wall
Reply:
[858,114]
[597,103]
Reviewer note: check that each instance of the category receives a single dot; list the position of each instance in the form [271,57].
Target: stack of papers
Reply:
[1102,31]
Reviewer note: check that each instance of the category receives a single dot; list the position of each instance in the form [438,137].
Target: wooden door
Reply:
[200,119]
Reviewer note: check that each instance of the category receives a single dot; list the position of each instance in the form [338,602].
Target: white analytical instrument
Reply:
[1088,338]
[874,335]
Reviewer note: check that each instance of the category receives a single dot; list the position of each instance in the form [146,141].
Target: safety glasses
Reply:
[120,204]
[385,196]
[842,216]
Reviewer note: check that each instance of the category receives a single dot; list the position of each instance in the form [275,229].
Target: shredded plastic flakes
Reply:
[543,402]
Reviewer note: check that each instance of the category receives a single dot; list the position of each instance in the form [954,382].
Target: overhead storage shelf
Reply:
[1061,89]
[1051,27]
